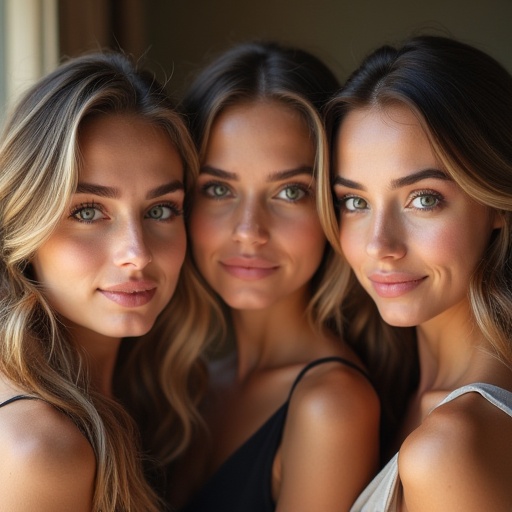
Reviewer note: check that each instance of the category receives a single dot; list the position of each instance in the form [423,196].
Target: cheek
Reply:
[66,257]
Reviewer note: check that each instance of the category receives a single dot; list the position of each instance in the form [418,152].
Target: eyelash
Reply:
[340,202]
[211,184]
[422,193]
[308,191]
[175,209]
[84,206]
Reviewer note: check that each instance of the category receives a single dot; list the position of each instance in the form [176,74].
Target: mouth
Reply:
[394,285]
[249,268]
[131,294]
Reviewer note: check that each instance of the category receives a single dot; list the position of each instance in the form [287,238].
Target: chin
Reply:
[399,318]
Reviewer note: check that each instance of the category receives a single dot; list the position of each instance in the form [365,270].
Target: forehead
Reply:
[381,138]
[260,133]
[113,147]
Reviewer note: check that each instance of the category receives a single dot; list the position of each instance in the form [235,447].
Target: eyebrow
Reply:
[278,176]
[219,173]
[284,175]
[114,193]
[411,179]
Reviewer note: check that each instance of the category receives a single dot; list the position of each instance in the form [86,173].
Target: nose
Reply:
[130,246]
[250,223]
[386,238]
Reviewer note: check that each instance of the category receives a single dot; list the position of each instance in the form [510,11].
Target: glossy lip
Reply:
[130,294]
[248,268]
[394,284]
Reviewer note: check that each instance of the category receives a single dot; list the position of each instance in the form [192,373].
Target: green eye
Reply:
[217,190]
[87,214]
[292,193]
[355,203]
[426,201]
[163,212]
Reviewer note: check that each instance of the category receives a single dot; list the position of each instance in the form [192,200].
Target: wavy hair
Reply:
[39,167]
[268,71]
[463,99]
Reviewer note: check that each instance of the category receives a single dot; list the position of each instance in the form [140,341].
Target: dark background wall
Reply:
[177,36]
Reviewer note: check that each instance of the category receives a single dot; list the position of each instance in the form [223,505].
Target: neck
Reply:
[450,350]
[100,354]
[272,337]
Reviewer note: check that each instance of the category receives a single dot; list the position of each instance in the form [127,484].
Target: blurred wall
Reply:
[182,34]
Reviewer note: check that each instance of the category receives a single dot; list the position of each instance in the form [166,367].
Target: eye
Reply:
[87,213]
[353,203]
[162,212]
[292,193]
[425,200]
[216,190]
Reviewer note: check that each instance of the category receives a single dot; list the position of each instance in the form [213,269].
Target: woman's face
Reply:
[411,235]
[254,228]
[112,264]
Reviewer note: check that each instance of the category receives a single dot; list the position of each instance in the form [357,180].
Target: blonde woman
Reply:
[94,167]
[291,412]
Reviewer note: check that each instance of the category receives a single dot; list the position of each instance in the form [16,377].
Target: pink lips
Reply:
[131,294]
[248,268]
[394,285]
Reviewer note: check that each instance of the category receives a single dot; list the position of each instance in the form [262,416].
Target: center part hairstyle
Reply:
[270,72]
[462,98]
[39,168]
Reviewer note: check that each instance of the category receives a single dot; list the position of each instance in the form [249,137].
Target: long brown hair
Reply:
[463,99]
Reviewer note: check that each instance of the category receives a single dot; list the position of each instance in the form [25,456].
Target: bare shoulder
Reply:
[331,436]
[462,442]
[47,463]
[336,390]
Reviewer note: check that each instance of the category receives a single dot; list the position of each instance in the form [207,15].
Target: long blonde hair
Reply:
[39,166]
[257,71]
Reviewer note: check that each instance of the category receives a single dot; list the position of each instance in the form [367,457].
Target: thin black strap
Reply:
[323,360]
[16,398]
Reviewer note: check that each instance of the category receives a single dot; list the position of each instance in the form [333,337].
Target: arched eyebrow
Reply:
[411,179]
[290,173]
[114,193]
[277,176]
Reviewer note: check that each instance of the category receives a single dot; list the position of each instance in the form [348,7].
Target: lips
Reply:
[395,284]
[248,268]
[130,294]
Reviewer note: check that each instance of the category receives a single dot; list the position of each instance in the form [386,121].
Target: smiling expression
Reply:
[112,263]
[255,231]
[411,235]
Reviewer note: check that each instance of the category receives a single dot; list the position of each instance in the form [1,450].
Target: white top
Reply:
[382,493]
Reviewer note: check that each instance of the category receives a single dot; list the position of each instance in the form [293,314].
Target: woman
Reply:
[290,412]
[422,173]
[94,167]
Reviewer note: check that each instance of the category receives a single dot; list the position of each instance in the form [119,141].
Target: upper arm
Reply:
[47,464]
[330,446]
[459,459]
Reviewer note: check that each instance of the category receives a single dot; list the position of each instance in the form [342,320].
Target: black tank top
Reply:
[243,481]
[16,398]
